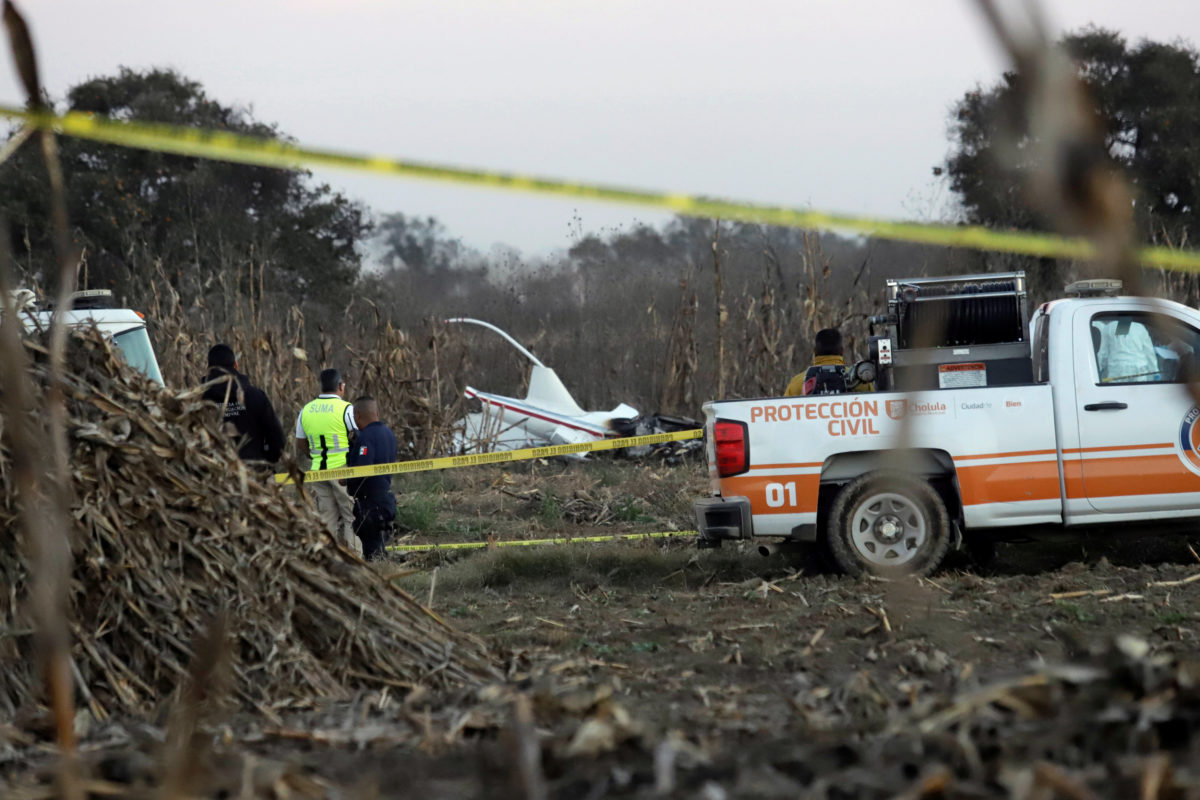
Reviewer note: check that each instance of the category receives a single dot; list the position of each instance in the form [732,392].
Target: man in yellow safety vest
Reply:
[323,431]
[828,373]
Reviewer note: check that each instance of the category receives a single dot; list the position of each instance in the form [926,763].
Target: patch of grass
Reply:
[611,564]
[549,510]
[1172,617]
[609,473]
[630,510]
[597,648]
[418,512]
[472,527]
[1074,610]
[432,482]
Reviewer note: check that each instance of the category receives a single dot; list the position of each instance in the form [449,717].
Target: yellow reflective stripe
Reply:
[241,149]
[478,459]
[315,444]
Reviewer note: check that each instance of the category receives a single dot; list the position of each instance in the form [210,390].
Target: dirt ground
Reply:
[657,669]
[1068,667]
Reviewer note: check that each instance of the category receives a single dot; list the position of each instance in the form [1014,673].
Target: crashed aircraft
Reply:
[549,415]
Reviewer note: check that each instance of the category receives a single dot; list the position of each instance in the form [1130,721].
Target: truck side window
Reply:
[1137,347]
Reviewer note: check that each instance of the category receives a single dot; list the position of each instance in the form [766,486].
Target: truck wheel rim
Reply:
[888,529]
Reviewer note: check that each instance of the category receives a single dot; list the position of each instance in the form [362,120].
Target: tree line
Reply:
[660,317]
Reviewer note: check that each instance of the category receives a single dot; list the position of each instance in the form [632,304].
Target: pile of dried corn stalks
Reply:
[172,530]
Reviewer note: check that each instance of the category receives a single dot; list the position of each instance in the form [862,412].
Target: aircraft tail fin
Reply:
[548,392]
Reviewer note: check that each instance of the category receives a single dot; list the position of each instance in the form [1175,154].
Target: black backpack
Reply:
[827,379]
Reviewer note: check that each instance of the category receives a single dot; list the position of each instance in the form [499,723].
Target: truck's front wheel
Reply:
[889,524]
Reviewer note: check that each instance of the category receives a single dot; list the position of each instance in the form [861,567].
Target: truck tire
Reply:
[888,524]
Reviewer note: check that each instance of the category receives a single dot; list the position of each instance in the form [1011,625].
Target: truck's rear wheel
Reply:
[889,524]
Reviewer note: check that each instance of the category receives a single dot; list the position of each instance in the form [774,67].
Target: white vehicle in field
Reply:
[1088,420]
[125,327]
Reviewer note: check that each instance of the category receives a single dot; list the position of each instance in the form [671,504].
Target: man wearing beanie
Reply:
[244,406]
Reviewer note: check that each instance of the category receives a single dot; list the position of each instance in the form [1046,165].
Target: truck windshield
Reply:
[134,345]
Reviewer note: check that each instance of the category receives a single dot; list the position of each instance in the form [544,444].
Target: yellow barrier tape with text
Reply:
[419,548]
[228,146]
[501,457]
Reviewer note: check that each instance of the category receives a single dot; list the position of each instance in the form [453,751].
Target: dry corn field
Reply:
[221,646]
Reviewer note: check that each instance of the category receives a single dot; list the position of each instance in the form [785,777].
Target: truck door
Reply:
[1139,430]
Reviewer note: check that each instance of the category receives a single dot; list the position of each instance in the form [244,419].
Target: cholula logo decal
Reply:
[1189,440]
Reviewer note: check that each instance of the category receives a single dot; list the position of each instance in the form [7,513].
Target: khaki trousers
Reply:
[337,511]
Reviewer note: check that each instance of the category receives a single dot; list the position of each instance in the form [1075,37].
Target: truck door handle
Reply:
[1110,406]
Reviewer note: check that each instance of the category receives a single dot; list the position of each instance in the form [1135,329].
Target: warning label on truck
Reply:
[961,376]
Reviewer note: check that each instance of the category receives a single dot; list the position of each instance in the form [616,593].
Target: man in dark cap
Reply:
[828,373]
[244,406]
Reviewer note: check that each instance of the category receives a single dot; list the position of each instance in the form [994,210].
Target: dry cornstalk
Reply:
[170,530]
[43,482]
[1119,597]
[1183,582]
[1080,593]
[881,613]
[1054,778]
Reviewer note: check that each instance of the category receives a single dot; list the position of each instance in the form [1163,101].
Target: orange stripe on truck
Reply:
[1008,483]
[1073,478]
[789,466]
[1135,475]
[1115,447]
[1118,476]
[1070,450]
[1014,454]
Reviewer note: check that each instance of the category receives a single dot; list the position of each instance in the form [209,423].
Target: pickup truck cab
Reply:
[1103,430]
[125,327]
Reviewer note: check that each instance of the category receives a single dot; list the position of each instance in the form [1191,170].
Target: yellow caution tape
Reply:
[477,459]
[534,542]
[228,146]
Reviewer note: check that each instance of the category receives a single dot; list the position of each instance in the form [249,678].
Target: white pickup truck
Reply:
[1097,427]
[125,327]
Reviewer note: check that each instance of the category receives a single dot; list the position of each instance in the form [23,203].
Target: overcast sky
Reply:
[837,105]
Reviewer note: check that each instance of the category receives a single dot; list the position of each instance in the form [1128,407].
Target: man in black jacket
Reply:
[374,503]
[244,406]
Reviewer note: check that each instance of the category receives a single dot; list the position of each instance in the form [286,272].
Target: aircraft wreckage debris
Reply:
[549,415]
